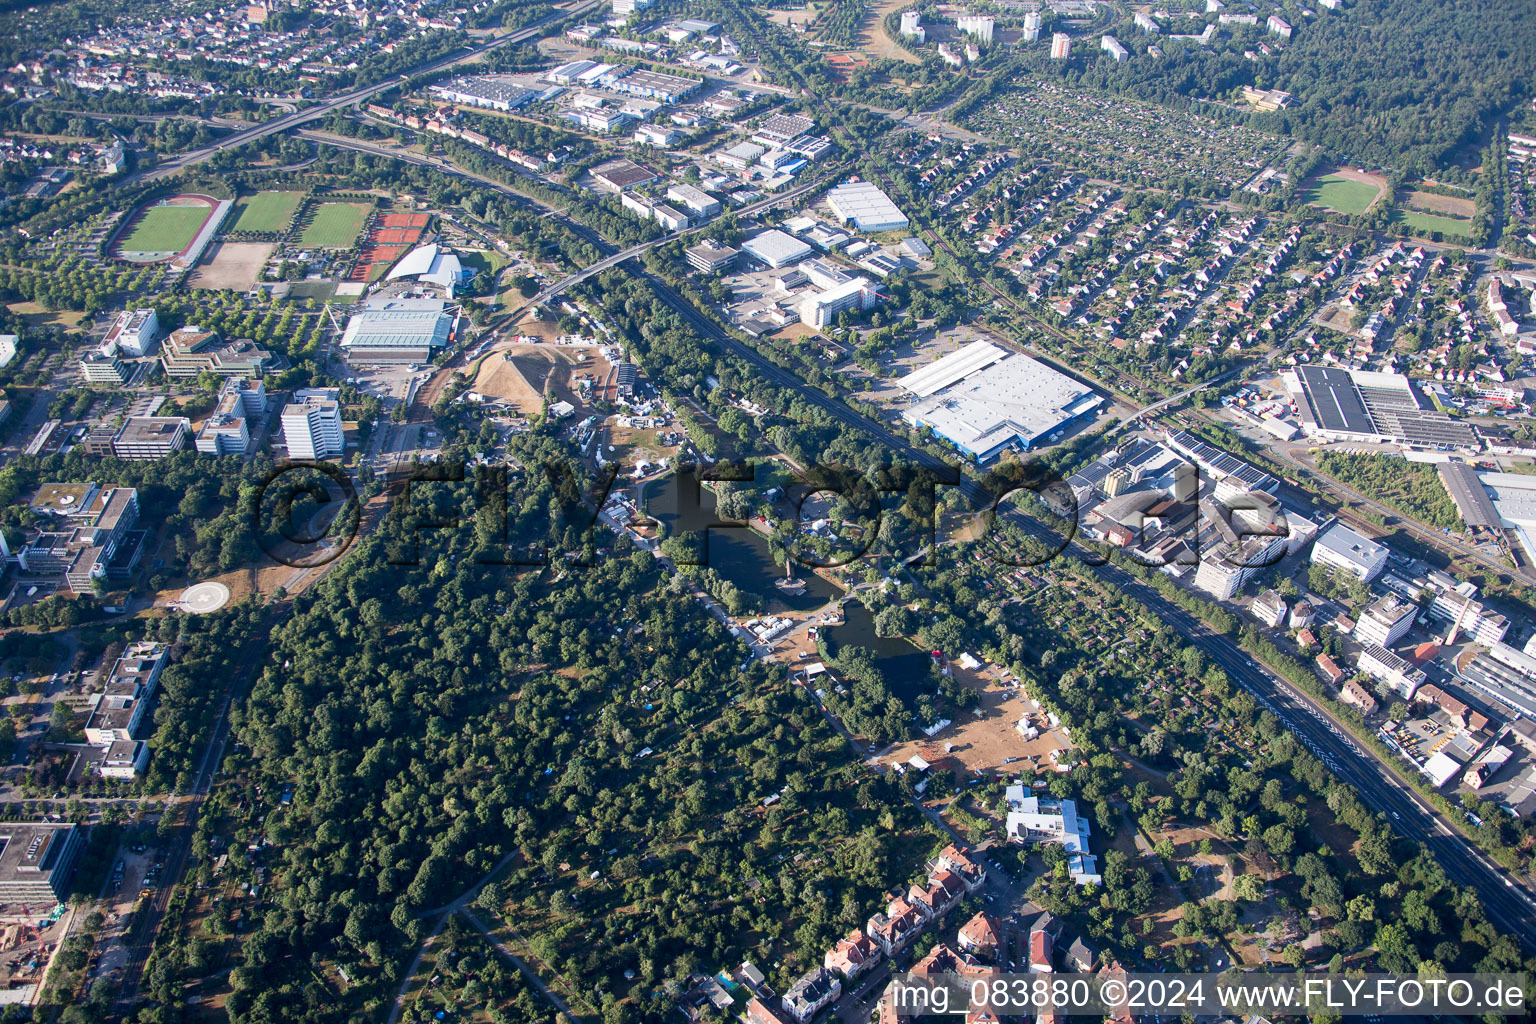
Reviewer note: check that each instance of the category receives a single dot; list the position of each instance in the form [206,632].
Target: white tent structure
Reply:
[431,264]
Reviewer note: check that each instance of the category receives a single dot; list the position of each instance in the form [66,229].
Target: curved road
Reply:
[613,258]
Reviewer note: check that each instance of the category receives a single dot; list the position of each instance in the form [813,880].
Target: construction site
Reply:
[29,935]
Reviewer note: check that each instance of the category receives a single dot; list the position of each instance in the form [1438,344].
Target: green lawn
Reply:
[165,229]
[1424,223]
[267,211]
[1341,195]
[335,225]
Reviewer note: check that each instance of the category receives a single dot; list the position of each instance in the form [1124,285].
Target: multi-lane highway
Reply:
[288,122]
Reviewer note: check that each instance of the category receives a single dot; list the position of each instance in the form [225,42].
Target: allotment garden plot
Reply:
[1123,140]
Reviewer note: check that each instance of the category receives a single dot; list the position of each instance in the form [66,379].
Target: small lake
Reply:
[905,667]
[739,554]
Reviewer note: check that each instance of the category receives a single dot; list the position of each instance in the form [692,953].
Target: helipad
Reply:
[202,598]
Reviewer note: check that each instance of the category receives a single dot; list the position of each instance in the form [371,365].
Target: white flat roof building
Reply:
[133,332]
[1386,621]
[776,248]
[1033,819]
[821,308]
[956,366]
[866,207]
[1015,403]
[1514,498]
[1339,547]
[397,331]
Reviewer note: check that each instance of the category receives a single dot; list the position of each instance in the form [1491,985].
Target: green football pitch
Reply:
[165,229]
[267,211]
[335,225]
[1342,195]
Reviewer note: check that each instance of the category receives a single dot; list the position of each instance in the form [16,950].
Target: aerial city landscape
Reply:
[715,512]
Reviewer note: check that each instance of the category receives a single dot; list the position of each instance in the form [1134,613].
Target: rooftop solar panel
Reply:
[1334,400]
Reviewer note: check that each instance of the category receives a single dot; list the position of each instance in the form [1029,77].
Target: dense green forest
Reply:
[1413,488]
[427,720]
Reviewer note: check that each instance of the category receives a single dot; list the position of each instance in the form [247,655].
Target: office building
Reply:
[312,428]
[1339,547]
[1236,543]
[223,433]
[146,438]
[711,258]
[104,367]
[819,309]
[1061,46]
[88,534]
[122,759]
[133,333]
[251,395]
[191,351]
[390,330]
[1035,819]
[866,207]
[37,860]
[695,200]
[126,693]
[1386,621]
[1469,619]
[228,430]
[1392,669]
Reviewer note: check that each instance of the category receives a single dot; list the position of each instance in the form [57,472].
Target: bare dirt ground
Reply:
[520,373]
[784,18]
[235,265]
[873,38]
[983,738]
[1366,178]
[1433,203]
